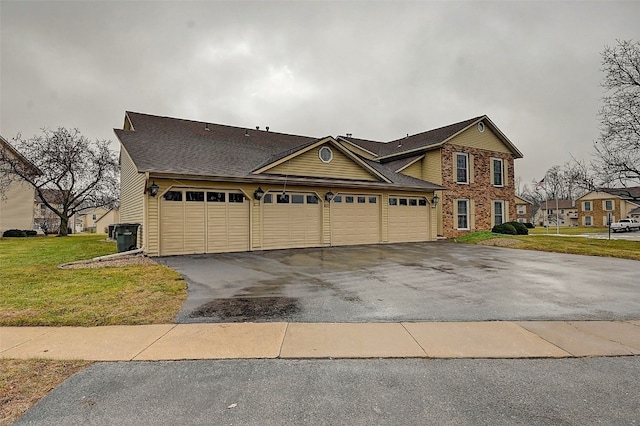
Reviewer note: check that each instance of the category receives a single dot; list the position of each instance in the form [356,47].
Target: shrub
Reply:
[14,233]
[504,228]
[521,229]
[529,225]
[30,232]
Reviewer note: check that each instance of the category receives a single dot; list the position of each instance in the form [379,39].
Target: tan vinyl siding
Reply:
[16,207]
[309,164]
[131,190]
[486,140]
[432,167]
[414,170]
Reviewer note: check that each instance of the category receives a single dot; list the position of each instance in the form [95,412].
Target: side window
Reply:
[497,172]
[498,212]
[462,167]
[463,214]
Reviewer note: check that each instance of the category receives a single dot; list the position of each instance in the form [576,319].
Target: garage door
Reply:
[291,220]
[203,221]
[355,219]
[408,219]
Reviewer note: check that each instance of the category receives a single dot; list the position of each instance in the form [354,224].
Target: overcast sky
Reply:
[378,70]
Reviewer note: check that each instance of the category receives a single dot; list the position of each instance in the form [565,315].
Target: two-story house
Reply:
[558,213]
[473,159]
[524,210]
[16,197]
[198,187]
[606,205]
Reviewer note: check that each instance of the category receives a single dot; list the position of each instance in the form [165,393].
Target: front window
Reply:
[498,212]
[497,172]
[462,168]
[587,221]
[587,206]
[463,214]
[608,205]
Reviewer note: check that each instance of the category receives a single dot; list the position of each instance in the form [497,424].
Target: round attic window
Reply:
[481,127]
[325,154]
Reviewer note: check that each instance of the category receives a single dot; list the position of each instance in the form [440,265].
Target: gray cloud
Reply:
[378,70]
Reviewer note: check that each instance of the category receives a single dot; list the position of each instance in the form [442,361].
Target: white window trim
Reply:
[326,149]
[604,207]
[493,168]
[468,227]
[584,204]
[584,220]
[456,170]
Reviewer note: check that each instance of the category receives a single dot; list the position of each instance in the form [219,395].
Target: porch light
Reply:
[435,200]
[329,196]
[153,189]
[258,194]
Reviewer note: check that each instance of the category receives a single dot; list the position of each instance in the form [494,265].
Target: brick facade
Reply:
[598,213]
[479,191]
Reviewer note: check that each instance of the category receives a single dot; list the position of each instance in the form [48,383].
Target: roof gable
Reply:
[306,162]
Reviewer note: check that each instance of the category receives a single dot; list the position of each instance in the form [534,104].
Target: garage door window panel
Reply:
[173,196]
[312,199]
[393,201]
[283,199]
[215,197]
[267,199]
[236,198]
[197,196]
[373,200]
[297,199]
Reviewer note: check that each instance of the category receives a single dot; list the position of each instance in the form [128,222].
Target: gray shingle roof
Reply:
[175,146]
[630,193]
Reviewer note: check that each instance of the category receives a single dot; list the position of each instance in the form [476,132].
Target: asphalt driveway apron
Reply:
[438,281]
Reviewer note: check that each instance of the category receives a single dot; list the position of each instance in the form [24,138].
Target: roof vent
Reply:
[267,128]
[349,135]
[246,132]
[257,127]
[206,127]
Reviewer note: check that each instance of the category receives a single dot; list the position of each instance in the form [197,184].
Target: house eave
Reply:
[297,180]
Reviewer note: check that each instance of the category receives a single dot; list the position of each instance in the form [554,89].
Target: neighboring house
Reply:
[99,219]
[635,213]
[198,187]
[16,198]
[606,205]
[524,210]
[44,219]
[558,212]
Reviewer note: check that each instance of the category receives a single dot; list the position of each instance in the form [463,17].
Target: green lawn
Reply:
[561,244]
[34,291]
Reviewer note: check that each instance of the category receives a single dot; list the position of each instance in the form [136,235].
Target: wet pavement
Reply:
[437,281]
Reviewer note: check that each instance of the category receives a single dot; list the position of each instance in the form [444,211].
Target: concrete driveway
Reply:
[437,281]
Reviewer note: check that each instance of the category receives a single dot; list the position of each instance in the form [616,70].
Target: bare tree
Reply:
[84,174]
[618,147]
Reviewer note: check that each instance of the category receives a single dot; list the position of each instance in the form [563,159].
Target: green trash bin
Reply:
[127,236]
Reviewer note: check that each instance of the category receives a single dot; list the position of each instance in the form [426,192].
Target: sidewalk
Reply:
[500,339]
